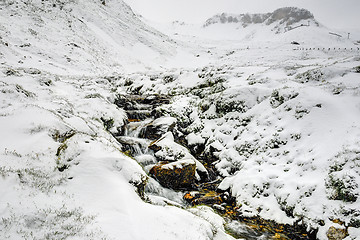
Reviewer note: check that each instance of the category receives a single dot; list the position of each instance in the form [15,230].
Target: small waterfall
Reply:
[137,147]
[139,111]
[134,146]
[133,129]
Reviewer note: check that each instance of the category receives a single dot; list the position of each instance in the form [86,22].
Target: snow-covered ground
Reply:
[284,121]
[284,124]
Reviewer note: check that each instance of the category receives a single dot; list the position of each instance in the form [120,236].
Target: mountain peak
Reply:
[283,18]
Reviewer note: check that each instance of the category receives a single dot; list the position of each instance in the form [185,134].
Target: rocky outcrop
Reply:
[176,175]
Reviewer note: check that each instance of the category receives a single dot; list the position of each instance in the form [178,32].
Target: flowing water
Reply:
[156,194]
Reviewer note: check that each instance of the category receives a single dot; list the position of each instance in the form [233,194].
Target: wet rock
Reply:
[139,114]
[280,236]
[280,231]
[156,100]
[131,145]
[154,146]
[208,194]
[158,127]
[139,183]
[139,106]
[209,155]
[137,102]
[336,233]
[176,175]
[125,102]
[203,198]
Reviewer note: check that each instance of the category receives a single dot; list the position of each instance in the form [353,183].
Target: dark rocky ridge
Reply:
[286,17]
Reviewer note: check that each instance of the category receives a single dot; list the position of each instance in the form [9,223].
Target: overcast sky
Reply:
[332,13]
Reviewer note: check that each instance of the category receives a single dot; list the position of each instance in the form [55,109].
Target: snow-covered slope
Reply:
[62,174]
[283,125]
[83,36]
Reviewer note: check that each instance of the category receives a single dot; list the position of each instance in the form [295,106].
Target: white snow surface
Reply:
[283,120]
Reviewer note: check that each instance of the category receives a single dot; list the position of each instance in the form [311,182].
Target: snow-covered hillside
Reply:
[62,174]
[280,27]
[279,122]
[81,36]
[284,126]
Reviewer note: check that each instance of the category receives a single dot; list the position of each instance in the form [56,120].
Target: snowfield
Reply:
[280,122]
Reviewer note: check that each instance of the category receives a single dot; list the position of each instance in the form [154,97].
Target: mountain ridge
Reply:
[283,19]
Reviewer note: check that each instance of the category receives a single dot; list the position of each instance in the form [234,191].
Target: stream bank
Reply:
[181,175]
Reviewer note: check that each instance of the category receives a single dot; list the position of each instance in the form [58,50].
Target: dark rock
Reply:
[212,186]
[61,137]
[209,156]
[176,175]
[138,114]
[131,145]
[180,137]
[156,100]
[139,106]
[357,69]
[157,128]
[153,146]
[197,149]
[108,123]
[208,194]
[63,168]
[207,197]
[10,72]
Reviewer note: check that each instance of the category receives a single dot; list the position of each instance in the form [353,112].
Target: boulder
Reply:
[166,150]
[204,198]
[209,197]
[336,233]
[176,175]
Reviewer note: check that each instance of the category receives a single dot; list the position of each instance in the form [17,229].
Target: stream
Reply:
[142,137]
